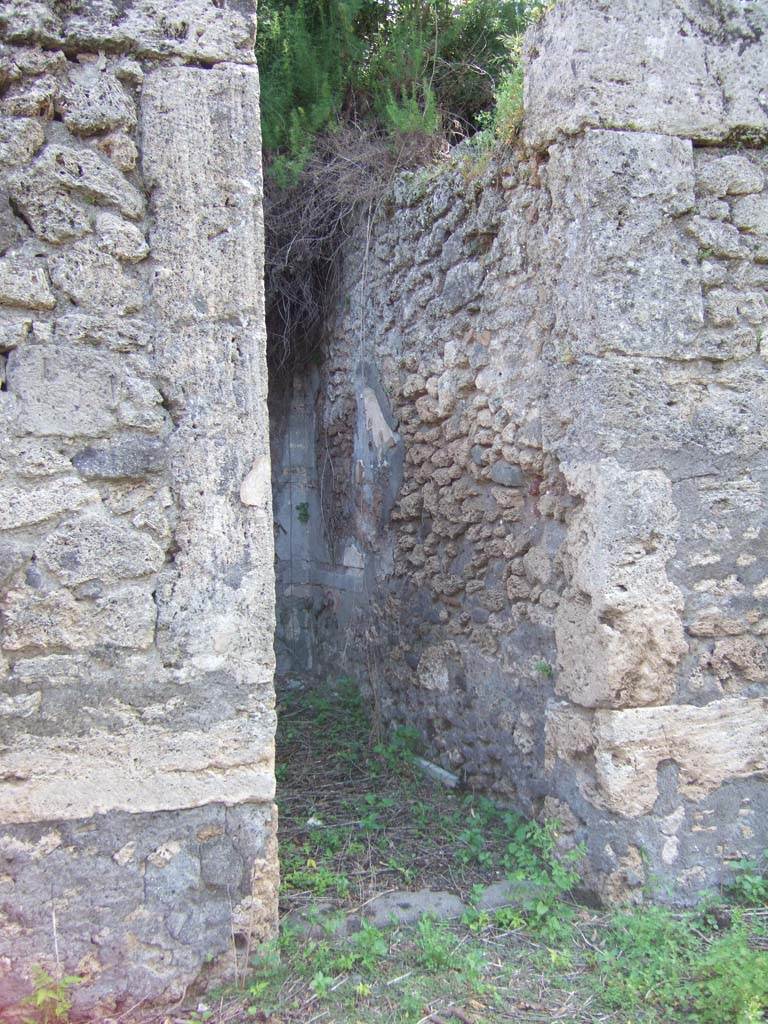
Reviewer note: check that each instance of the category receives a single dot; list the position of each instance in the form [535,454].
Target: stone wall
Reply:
[136,579]
[528,486]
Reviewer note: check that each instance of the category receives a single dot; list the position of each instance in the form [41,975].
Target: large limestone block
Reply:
[77,392]
[216,600]
[205,30]
[213,376]
[618,626]
[727,739]
[693,69]
[723,741]
[207,213]
[146,768]
[631,282]
[34,618]
[96,547]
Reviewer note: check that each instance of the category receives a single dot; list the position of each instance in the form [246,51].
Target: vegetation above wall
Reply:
[353,91]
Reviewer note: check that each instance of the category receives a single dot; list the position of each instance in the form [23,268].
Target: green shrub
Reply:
[655,962]
[405,66]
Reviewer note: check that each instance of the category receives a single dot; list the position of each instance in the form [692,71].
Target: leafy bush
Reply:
[750,883]
[658,962]
[405,66]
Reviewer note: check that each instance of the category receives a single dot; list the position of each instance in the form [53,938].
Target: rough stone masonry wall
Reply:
[535,459]
[136,578]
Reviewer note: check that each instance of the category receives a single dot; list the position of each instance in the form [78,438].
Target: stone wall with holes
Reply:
[533,466]
[137,835]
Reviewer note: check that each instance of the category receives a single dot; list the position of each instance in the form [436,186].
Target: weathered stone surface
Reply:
[618,626]
[133,457]
[120,149]
[77,392]
[24,507]
[206,215]
[691,70]
[93,280]
[11,229]
[20,139]
[619,195]
[203,30]
[35,619]
[120,238]
[24,283]
[31,98]
[726,739]
[81,172]
[143,769]
[93,101]
[150,860]
[734,175]
[506,475]
[135,584]
[751,214]
[462,285]
[53,216]
[97,548]
[409,907]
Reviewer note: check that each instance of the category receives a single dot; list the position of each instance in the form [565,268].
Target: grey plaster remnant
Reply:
[133,457]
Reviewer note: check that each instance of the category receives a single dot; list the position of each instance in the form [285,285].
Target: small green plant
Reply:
[473,847]
[302,512]
[544,668]
[509,919]
[476,920]
[374,805]
[403,744]
[321,984]
[51,998]
[435,944]
[750,884]
[503,121]
[316,879]
[369,945]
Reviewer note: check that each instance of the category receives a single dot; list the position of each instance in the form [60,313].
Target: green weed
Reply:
[316,879]
[657,963]
[51,998]
[435,944]
[750,883]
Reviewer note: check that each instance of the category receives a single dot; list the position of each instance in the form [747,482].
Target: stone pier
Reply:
[137,838]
